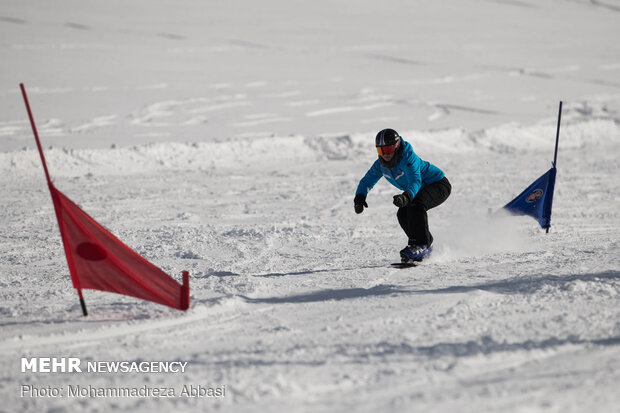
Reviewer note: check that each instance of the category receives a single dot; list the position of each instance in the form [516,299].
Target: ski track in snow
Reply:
[227,140]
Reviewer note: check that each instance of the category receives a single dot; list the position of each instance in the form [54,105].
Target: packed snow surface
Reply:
[227,139]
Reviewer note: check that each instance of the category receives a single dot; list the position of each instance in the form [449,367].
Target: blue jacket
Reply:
[410,173]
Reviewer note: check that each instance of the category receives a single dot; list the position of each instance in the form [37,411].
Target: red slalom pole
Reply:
[36,134]
[185,291]
[51,186]
[82,303]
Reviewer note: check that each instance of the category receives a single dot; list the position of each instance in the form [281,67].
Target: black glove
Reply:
[360,203]
[403,199]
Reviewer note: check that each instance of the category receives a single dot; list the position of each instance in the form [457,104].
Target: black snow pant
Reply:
[413,218]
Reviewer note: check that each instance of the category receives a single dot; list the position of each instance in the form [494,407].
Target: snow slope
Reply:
[227,139]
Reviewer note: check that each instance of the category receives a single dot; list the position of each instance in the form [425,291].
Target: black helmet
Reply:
[387,137]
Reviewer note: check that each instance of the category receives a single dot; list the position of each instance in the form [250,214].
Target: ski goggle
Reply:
[386,150]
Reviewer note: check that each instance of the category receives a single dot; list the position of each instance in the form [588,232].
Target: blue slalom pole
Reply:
[555,160]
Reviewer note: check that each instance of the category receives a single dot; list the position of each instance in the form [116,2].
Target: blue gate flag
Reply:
[537,200]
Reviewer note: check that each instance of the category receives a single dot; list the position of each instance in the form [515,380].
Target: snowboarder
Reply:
[424,187]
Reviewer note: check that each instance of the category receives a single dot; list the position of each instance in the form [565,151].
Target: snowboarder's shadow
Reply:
[286,274]
[308,272]
[330,295]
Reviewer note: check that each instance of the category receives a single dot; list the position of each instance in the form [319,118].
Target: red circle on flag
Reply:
[91,252]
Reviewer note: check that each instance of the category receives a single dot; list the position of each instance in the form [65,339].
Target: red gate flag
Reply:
[98,260]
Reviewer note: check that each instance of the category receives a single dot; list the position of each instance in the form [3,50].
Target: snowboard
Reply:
[408,264]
